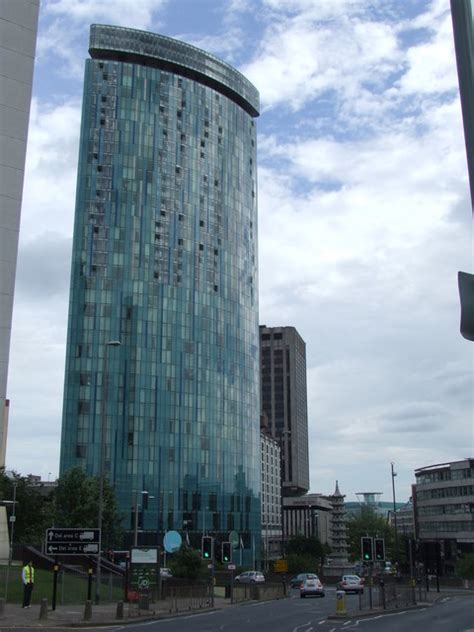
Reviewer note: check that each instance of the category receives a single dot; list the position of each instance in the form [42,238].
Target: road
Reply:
[451,614]
[310,615]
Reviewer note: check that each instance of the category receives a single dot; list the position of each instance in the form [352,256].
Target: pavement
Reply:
[14,616]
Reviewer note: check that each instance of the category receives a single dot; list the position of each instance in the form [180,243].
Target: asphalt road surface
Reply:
[310,615]
[451,614]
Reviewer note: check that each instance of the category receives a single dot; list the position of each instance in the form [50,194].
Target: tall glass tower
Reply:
[165,262]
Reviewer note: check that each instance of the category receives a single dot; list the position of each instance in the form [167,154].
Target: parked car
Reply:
[250,577]
[311,586]
[351,583]
[298,580]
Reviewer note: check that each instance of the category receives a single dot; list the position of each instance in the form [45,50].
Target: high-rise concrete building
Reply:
[18,29]
[165,263]
[443,501]
[284,402]
[271,498]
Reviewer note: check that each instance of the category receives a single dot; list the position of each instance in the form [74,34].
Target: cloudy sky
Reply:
[364,221]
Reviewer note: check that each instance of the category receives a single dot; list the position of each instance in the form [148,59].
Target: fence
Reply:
[391,596]
[181,598]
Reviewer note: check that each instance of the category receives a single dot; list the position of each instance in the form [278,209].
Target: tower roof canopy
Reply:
[149,49]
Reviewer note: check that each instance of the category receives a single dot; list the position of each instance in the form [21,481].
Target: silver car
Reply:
[250,577]
[351,583]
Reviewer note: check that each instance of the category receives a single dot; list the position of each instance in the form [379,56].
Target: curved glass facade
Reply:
[165,261]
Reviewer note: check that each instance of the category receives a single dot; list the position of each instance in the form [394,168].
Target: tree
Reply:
[311,549]
[301,564]
[465,566]
[77,505]
[187,562]
[369,523]
[33,508]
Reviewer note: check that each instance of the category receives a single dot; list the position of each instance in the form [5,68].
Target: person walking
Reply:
[28,579]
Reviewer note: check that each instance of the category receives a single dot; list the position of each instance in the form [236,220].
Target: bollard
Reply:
[119,612]
[2,606]
[43,609]
[88,610]
[341,603]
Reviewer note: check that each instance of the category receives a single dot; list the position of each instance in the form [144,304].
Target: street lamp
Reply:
[394,512]
[103,429]
[12,533]
[145,498]
[282,444]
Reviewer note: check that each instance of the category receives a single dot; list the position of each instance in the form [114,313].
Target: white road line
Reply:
[303,625]
[322,621]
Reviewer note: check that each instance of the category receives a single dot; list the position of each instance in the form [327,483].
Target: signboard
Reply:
[72,541]
[280,566]
[144,556]
[144,568]
[172,541]
[72,548]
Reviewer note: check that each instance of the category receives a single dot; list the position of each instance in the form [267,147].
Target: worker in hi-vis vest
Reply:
[28,579]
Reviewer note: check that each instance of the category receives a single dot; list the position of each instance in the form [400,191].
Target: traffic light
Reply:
[379,544]
[144,500]
[207,547]
[366,545]
[226,552]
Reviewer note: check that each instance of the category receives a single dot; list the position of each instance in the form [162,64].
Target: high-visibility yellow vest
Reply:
[29,574]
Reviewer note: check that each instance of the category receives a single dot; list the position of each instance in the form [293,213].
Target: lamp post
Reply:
[282,480]
[394,512]
[103,430]
[145,497]
[12,533]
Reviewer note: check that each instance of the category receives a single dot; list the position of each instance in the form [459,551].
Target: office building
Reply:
[165,263]
[370,502]
[284,402]
[443,501]
[271,498]
[308,516]
[18,28]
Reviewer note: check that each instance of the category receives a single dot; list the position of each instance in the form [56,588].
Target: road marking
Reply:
[322,621]
[303,625]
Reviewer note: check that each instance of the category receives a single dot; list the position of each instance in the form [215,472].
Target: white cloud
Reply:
[66,24]
[430,64]
[300,58]
[129,13]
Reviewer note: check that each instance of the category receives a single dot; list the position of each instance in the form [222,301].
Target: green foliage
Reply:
[306,552]
[77,505]
[33,509]
[465,566]
[369,523]
[301,564]
[187,563]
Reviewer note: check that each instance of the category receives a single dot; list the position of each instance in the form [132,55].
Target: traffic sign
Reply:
[72,541]
[59,536]
[231,567]
[73,548]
